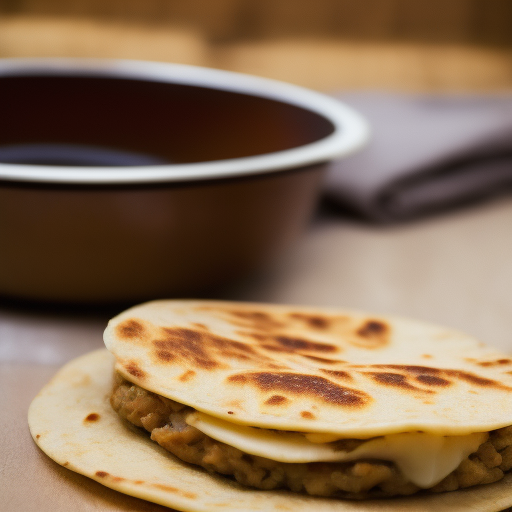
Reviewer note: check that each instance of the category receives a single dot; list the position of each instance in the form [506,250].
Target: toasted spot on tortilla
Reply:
[259,320]
[305,385]
[92,417]
[426,356]
[101,474]
[277,400]
[497,362]
[432,380]
[180,344]
[134,369]
[231,412]
[323,360]
[38,436]
[412,369]
[185,377]
[131,328]
[395,380]
[66,463]
[375,331]
[307,415]
[237,378]
[304,344]
[314,321]
[175,490]
[204,350]
[476,379]
[337,374]
[442,374]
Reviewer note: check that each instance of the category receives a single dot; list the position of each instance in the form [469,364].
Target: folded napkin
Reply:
[426,153]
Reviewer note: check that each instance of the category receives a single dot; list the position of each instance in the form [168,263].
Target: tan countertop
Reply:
[454,269]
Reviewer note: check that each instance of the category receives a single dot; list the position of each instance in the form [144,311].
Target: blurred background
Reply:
[406,45]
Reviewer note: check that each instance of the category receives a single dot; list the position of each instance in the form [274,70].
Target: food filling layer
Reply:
[425,458]
[390,465]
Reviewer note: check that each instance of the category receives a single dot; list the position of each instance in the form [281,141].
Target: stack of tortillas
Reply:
[302,372]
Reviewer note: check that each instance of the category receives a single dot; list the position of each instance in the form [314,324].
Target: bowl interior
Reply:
[98,120]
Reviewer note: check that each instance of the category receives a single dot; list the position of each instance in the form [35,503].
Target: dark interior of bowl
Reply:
[94,120]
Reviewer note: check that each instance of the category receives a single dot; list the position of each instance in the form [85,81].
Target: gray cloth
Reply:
[426,153]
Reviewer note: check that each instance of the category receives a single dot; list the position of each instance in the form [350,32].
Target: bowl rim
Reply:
[350,132]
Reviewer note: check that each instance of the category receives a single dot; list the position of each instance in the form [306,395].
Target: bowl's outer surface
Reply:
[118,244]
[234,169]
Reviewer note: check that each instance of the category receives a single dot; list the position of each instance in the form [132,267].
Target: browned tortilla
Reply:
[72,421]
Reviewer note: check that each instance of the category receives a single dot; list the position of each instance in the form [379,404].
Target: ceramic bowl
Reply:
[122,181]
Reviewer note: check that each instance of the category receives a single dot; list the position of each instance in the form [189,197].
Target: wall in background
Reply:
[326,44]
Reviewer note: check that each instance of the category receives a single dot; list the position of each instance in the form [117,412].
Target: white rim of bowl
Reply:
[350,129]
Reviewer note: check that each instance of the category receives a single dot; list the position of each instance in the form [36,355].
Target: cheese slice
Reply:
[425,459]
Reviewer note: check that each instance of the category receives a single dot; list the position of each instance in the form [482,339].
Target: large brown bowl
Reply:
[125,181]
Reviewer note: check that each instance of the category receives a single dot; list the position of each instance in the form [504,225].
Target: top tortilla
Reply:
[313,370]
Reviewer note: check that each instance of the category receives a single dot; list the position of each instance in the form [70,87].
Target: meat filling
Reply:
[165,420]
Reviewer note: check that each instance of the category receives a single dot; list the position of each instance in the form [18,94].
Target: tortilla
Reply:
[72,421]
[313,370]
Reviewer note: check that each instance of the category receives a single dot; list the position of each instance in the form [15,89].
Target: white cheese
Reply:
[425,459]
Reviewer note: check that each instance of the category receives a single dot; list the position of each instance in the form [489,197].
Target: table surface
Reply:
[453,269]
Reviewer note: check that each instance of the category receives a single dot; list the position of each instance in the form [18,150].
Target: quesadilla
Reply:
[318,402]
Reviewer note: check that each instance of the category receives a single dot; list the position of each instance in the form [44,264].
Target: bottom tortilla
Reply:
[72,422]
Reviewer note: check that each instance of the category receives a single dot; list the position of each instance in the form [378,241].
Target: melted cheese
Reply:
[425,459]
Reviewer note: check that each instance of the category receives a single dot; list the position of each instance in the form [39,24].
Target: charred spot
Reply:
[185,344]
[276,400]
[307,415]
[304,385]
[412,369]
[293,344]
[395,380]
[323,360]
[337,374]
[185,377]
[275,348]
[102,474]
[174,490]
[432,380]
[92,417]
[257,319]
[375,331]
[38,436]
[237,378]
[130,329]
[232,348]
[442,374]
[164,355]
[231,412]
[471,378]
[498,362]
[134,369]
[203,349]
[314,321]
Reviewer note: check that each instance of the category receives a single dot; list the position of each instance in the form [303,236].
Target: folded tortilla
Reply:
[285,383]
